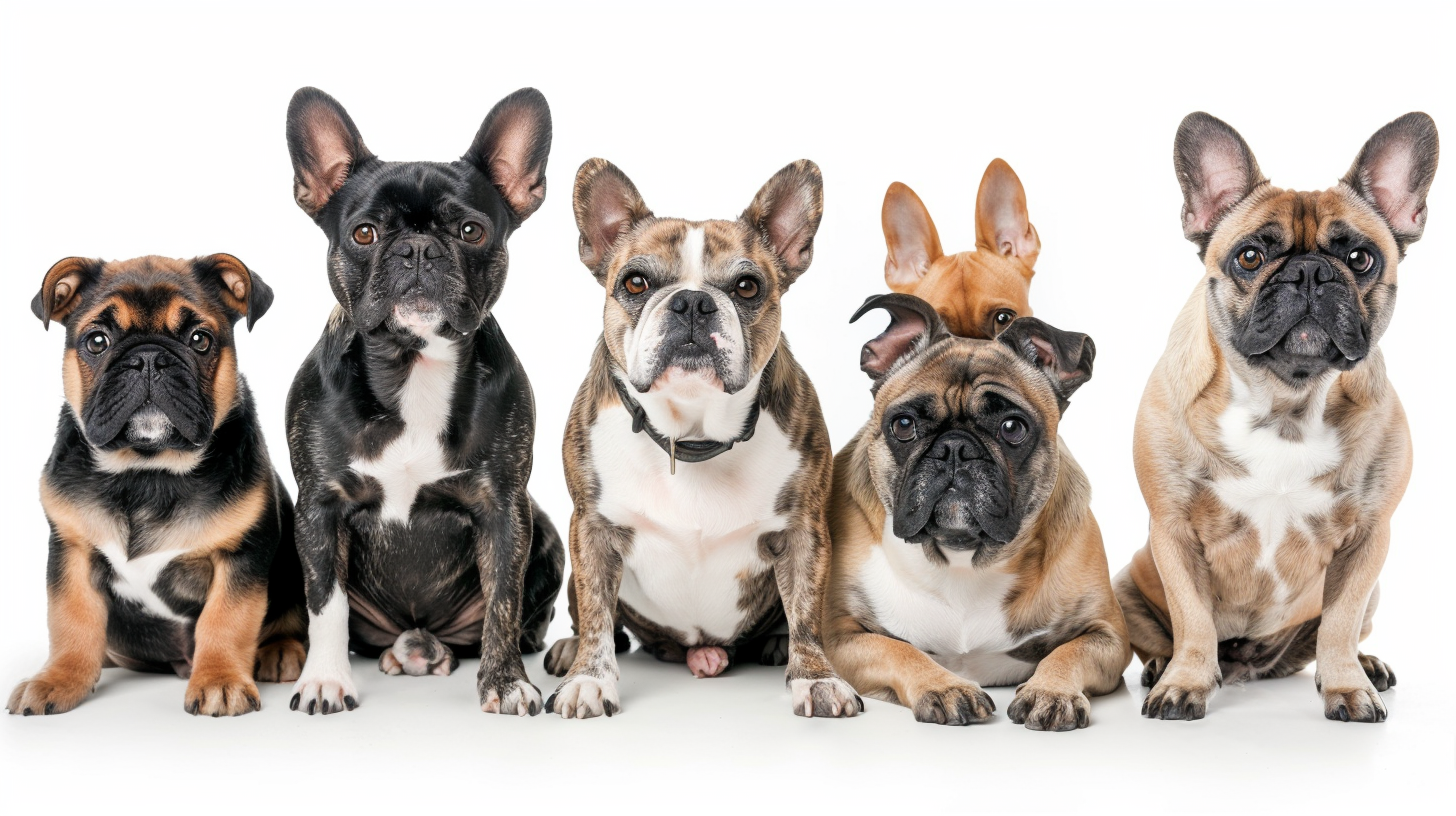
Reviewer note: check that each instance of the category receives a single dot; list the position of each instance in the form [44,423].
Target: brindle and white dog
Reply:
[1270,446]
[696,453]
[965,551]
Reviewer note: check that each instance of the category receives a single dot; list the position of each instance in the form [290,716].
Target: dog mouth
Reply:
[150,431]
[1304,352]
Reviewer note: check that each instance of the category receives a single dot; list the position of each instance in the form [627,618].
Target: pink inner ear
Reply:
[524,190]
[881,353]
[911,241]
[1045,354]
[329,147]
[609,214]
[1223,183]
[1390,183]
[788,229]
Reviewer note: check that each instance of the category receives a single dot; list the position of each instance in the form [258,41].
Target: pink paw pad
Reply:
[707,661]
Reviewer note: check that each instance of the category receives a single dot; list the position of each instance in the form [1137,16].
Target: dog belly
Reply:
[696,588]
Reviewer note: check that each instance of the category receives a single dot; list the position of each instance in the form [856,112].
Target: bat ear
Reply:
[1064,357]
[786,212]
[606,204]
[911,241]
[511,149]
[914,327]
[324,145]
[1003,225]
[238,287]
[1216,170]
[1394,172]
[60,290]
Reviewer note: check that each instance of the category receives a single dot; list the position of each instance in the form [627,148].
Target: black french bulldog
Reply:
[410,424]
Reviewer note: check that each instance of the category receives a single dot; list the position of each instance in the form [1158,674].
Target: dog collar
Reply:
[687,450]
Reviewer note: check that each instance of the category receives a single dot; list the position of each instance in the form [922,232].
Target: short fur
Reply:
[171,544]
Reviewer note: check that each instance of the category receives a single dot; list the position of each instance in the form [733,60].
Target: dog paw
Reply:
[221,696]
[775,651]
[561,655]
[960,704]
[1381,675]
[1153,671]
[280,661]
[824,697]
[1178,698]
[1354,705]
[324,692]
[517,697]
[418,653]
[583,697]
[47,694]
[1045,709]
[707,661]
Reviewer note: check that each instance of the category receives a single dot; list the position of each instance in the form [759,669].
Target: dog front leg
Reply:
[503,546]
[801,567]
[326,684]
[889,669]
[76,615]
[221,683]
[1182,693]
[590,687]
[1349,694]
[1055,698]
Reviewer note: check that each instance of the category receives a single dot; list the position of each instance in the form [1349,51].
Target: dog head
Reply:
[695,301]
[150,370]
[962,442]
[418,249]
[1301,284]
[980,292]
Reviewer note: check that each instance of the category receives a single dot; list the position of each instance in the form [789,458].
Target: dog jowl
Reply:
[411,422]
[1270,445]
[171,544]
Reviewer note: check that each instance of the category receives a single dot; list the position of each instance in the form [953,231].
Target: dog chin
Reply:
[419,319]
[687,384]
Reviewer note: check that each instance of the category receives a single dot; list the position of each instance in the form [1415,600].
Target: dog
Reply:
[1270,447]
[411,422]
[965,550]
[977,293]
[696,453]
[171,545]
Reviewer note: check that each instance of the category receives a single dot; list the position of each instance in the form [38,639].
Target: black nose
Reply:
[689,302]
[418,249]
[149,359]
[956,446]
[1307,272]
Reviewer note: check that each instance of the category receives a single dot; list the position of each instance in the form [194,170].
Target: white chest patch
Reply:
[695,534]
[135,578]
[415,458]
[951,611]
[1278,492]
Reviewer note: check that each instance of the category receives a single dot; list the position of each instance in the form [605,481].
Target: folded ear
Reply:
[911,241]
[1064,357]
[237,286]
[324,145]
[1394,172]
[1216,170]
[60,291]
[511,148]
[786,213]
[914,327]
[606,204]
[1002,223]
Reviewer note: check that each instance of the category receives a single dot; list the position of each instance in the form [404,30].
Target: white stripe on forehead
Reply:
[691,258]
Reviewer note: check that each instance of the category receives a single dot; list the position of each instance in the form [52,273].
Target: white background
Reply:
[160,130]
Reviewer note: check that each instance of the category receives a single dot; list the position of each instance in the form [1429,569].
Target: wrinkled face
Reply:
[417,243]
[978,293]
[149,366]
[692,299]
[964,446]
[1302,283]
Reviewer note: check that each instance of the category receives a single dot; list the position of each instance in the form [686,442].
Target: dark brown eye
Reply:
[747,288]
[1250,259]
[200,341]
[364,235]
[1003,318]
[97,342]
[1360,261]
[903,427]
[1013,431]
[472,232]
[635,284]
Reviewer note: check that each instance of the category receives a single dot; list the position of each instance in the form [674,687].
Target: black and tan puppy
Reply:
[696,453]
[1270,447]
[410,424]
[965,551]
[171,542]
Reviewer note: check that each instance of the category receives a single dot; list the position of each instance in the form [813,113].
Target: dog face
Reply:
[977,293]
[1303,283]
[149,369]
[963,438]
[418,248]
[695,302]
